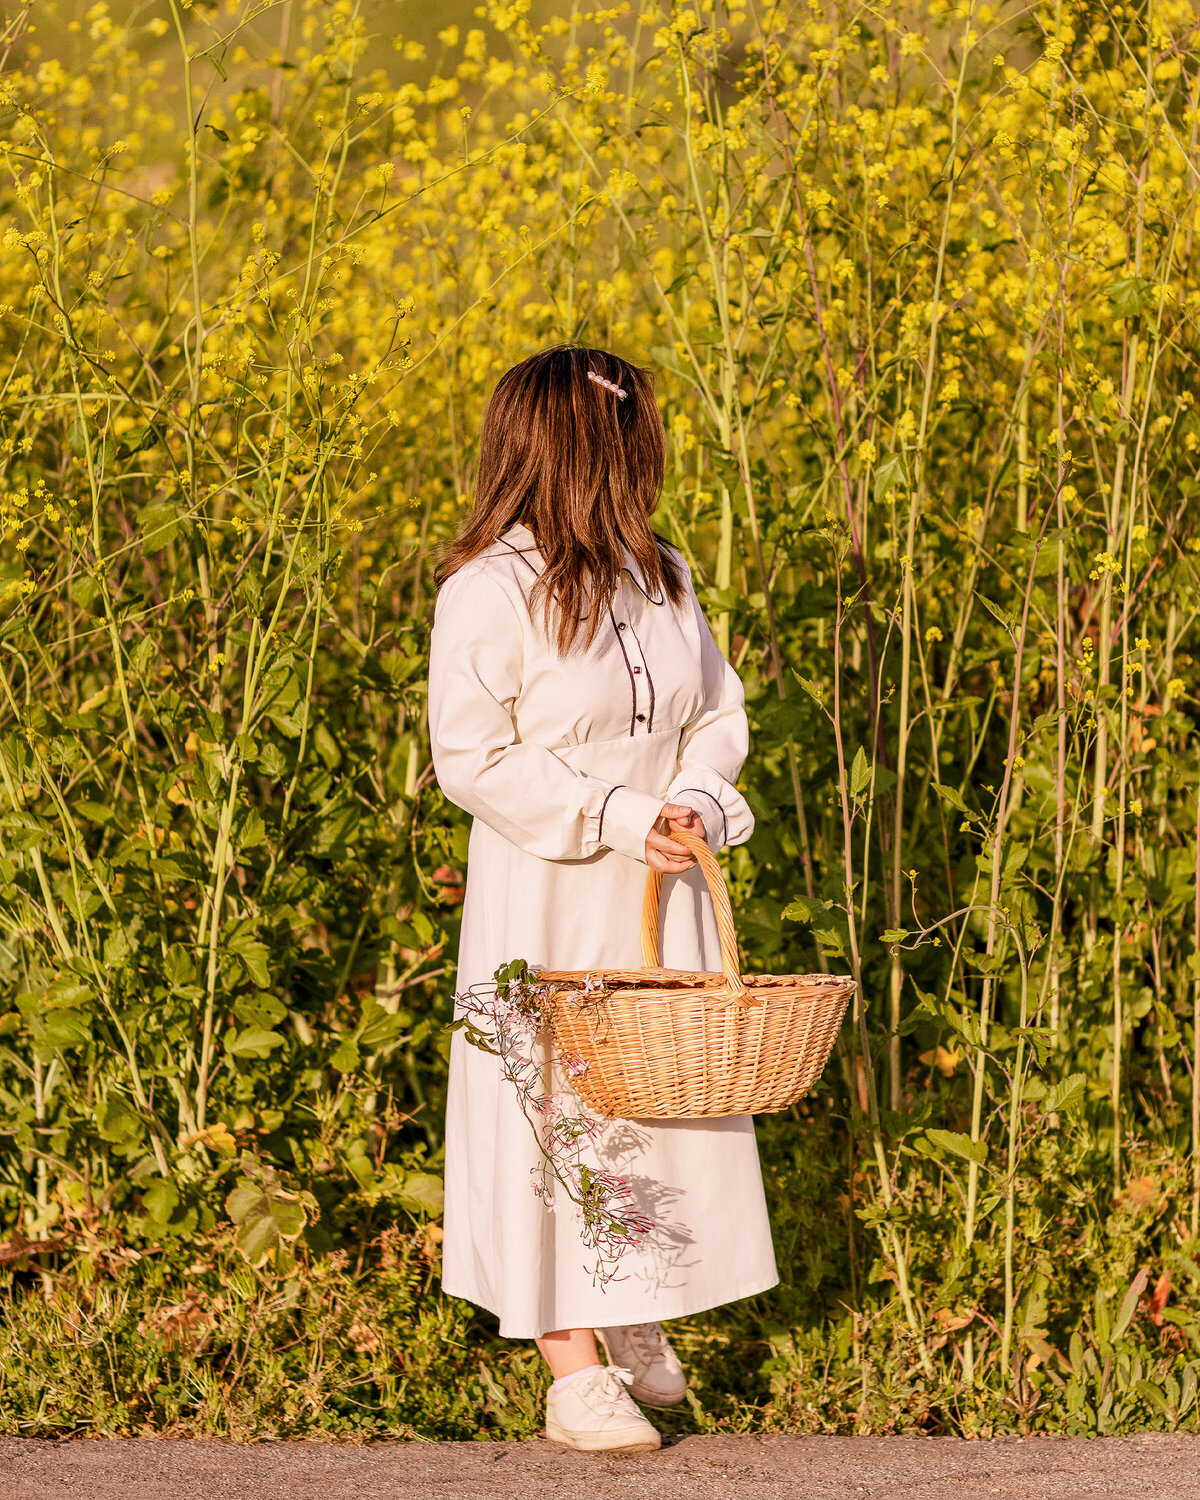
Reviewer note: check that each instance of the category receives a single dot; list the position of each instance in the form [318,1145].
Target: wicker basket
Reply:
[668,1044]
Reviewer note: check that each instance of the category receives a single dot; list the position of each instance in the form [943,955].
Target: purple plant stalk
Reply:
[509,1019]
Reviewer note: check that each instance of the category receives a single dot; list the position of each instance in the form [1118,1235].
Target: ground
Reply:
[1155,1467]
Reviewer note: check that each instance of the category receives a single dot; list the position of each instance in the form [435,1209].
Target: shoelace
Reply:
[649,1340]
[607,1389]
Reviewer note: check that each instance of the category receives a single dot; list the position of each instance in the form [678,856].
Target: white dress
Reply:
[564,765]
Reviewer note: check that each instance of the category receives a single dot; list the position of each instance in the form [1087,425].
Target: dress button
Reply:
[641,718]
[636,671]
[621,626]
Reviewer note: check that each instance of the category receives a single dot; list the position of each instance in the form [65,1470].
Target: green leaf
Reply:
[472,1034]
[117,1122]
[65,1028]
[812,687]
[253,830]
[422,1193]
[1015,855]
[418,1192]
[326,746]
[1130,296]
[380,1026]
[986,963]
[249,592]
[833,943]
[894,935]
[860,773]
[252,1041]
[94,812]
[805,909]
[953,796]
[24,830]
[160,523]
[266,1216]
[1042,1043]
[117,947]
[142,655]
[333,829]
[67,990]
[959,1144]
[889,475]
[346,1058]
[1065,1095]
[1153,1397]
[1129,1303]
[361,1167]
[136,440]
[160,1199]
[260,1009]
[271,761]
[179,966]
[252,954]
[994,609]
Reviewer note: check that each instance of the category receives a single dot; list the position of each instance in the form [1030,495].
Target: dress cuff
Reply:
[626,818]
[712,814]
[726,814]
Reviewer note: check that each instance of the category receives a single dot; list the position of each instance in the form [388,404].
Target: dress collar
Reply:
[518,538]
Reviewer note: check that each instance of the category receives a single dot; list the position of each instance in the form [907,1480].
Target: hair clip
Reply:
[609,385]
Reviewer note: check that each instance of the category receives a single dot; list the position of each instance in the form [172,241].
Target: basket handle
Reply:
[730,961]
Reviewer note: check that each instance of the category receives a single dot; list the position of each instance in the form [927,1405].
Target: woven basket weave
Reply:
[668,1044]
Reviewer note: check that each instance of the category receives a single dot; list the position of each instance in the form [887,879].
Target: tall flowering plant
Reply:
[510,1019]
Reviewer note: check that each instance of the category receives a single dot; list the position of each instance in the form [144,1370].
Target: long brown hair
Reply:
[582,467]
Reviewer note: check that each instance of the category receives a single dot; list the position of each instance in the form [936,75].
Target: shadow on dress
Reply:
[661,1261]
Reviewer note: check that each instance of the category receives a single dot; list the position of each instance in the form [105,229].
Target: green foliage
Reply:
[919,288]
[186,1338]
[190,1340]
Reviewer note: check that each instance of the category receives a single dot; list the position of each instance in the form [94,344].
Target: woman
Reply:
[578,709]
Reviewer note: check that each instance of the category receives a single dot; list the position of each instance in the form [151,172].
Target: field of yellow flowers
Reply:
[921,283]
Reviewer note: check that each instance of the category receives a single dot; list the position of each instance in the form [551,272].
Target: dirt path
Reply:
[1157,1467]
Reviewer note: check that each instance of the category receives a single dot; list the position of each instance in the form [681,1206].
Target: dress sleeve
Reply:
[713,747]
[523,791]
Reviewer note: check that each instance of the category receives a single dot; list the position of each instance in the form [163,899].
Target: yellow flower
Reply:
[944,1060]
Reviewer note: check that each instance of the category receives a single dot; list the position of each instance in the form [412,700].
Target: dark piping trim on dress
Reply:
[649,679]
[603,806]
[633,578]
[517,552]
[629,669]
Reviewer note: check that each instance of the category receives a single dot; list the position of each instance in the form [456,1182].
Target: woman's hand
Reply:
[663,853]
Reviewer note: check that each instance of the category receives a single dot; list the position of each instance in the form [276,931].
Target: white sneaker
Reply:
[644,1348]
[595,1413]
